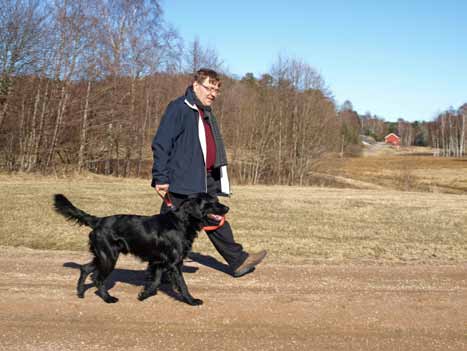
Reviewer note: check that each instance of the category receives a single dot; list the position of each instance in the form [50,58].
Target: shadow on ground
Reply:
[138,277]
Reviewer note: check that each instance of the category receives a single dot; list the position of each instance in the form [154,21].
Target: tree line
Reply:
[83,85]
[445,133]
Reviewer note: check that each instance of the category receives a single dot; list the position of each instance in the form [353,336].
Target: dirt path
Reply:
[279,307]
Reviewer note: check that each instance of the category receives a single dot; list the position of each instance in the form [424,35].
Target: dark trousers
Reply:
[221,238]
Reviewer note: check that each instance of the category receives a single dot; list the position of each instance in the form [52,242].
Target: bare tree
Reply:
[133,42]
[197,57]
[463,116]
[448,132]
[405,132]
[72,28]
[21,31]
[278,126]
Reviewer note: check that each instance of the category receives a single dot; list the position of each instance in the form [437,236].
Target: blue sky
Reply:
[396,59]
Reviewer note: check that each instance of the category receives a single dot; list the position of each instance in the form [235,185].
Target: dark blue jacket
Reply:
[177,151]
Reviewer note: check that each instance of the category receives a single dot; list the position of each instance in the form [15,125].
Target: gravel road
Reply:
[345,306]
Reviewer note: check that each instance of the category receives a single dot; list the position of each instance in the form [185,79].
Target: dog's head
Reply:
[203,209]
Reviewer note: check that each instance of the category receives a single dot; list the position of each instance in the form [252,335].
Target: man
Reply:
[190,158]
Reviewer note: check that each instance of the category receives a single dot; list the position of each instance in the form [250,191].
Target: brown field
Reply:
[293,223]
[348,269]
[407,169]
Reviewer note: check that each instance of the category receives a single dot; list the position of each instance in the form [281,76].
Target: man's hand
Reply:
[162,187]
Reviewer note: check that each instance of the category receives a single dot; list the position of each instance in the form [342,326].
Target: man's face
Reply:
[206,91]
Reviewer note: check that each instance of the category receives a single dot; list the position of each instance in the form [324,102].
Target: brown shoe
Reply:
[249,264]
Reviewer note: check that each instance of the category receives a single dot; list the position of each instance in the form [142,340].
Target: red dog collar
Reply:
[169,204]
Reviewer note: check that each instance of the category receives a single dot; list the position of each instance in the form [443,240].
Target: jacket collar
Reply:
[190,98]
[192,106]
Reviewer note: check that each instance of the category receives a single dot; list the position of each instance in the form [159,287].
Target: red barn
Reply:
[392,139]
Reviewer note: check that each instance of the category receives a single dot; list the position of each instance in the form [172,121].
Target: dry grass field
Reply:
[293,223]
[407,169]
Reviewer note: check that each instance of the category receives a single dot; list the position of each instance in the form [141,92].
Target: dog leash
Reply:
[166,198]
[170,204]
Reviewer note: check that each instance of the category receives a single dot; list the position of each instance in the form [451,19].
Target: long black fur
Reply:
[162,240]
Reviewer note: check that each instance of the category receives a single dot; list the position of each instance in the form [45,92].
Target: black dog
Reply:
[162,240]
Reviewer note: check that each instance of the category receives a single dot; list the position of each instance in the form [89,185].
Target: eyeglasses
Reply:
[212,90]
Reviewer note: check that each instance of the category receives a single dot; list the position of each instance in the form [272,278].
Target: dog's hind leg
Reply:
[86,269]
[153,282]
[179,282]
[102,272]
[106,258]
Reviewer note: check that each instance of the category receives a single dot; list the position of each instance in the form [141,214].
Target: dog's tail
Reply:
[63,206]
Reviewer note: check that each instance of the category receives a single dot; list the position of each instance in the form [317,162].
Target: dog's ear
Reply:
[193,207]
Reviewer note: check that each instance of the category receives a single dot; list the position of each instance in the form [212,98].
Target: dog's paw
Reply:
[111,299]
[143,295]
[80,294]
[195,302]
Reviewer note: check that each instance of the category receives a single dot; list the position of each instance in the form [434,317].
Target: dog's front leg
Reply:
[179,282]
[153,283]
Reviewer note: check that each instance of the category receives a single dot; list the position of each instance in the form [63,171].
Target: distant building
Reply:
[392,139]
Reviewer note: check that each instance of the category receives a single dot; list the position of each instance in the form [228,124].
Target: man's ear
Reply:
[196,87]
